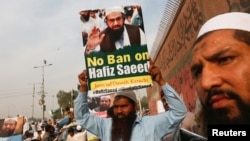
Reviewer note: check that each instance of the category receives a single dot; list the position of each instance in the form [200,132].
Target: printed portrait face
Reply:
[8,126]
[105,103]
[115,21]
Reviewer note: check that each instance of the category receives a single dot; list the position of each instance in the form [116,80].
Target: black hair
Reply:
[243,36]
[71,129]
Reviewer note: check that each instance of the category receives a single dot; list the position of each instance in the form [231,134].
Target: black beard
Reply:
[122,127]
[115,35]
[6,133]
[103,108]
[220,116]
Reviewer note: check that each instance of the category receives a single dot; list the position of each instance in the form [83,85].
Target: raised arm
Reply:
[170,119]
[82,114]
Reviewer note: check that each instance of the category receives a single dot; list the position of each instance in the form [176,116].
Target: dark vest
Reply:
[133,34]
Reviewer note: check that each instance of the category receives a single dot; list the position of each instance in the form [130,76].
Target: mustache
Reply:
[218,91]
[122,115]
[116,26]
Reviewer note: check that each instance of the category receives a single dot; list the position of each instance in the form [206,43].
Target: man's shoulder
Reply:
[132,26]
[80,135]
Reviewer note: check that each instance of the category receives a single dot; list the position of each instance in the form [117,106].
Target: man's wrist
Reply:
[87,51]
[161,82]
[83,88]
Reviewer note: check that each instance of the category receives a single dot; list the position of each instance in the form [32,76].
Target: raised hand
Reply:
[83,80]
[155,73]
[94,38]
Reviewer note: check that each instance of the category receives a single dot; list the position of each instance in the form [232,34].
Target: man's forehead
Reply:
[214,40]
[114,15]
[121,99]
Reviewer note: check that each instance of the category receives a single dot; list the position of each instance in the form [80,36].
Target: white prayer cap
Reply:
[10,119]
[232,20]
[114,9]
[78,127]
[105,97]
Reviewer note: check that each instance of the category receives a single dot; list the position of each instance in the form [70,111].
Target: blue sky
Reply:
[37,30]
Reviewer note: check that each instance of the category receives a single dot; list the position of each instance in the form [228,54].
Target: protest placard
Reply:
[116,53]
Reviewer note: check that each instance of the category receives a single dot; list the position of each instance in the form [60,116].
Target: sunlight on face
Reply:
[221,69]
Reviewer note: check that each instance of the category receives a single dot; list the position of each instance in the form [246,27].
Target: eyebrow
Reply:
[195,66]
[217,54]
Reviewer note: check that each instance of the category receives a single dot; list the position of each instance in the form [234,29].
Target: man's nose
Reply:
[115,22]
[211,77]
[119,109]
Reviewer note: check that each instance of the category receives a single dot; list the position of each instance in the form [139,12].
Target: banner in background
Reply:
[11,129]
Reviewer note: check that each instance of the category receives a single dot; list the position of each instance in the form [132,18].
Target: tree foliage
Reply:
[66,99]
[144,102]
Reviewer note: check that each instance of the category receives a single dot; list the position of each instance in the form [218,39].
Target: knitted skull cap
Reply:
[129,94]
